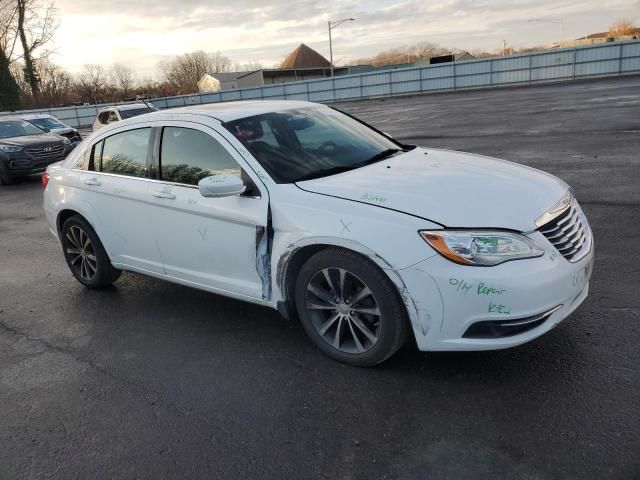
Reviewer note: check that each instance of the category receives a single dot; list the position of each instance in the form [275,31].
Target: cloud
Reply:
[142,33]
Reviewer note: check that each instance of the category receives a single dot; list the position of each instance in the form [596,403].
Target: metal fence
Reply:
[608,59]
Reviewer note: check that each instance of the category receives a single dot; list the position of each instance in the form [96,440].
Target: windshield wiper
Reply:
[379,156]
[334,170]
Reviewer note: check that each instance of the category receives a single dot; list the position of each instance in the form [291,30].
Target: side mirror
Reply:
[221,186]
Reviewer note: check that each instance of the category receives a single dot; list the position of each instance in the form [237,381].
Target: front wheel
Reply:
[349,308]
[85,255]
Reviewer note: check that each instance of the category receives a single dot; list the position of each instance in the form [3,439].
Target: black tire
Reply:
[381,311]
[85,255]
[5,179]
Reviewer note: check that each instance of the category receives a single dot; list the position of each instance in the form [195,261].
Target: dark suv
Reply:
[25,149]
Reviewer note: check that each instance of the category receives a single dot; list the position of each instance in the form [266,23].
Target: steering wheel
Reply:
[327,148]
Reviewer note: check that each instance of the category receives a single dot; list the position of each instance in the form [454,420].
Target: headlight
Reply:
[10,148]
[66,141]
[481,247]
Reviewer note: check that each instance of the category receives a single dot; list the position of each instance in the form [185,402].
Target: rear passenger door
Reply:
[116,186]
[209,242]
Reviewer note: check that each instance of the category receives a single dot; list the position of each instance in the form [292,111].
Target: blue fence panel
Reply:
[376,90]
[376,79]
[320,85]
[438,84]
[437,71]
[295,88]
[595,54]
[346,82]
[406,87]
[562,64]
[481,80]
[347,93]
[324,96]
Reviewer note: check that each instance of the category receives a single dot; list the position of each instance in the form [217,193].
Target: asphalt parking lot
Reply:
[154,380]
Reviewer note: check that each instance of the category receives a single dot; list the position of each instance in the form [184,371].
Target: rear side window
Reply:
[125,153]
[103,118]
[187,156]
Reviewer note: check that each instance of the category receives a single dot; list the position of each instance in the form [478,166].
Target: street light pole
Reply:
[331,26]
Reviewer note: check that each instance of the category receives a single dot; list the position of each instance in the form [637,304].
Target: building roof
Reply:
[304,57]
[228,76]
[634,31]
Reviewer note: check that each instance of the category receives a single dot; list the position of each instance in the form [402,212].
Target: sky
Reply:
[141,33]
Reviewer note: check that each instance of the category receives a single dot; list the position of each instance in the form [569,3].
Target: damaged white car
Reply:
[302,208]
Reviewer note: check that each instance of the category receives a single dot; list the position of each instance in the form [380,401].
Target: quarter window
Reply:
[188,155]
[126,153]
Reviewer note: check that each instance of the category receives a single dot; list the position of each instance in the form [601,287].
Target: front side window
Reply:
[300,144]
[188,155]
[126,153]
[112,117]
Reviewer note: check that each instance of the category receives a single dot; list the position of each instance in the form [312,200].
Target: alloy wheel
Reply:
[81,254]
[343,310]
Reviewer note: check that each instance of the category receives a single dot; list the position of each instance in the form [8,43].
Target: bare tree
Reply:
[92,81]
[248,67]
[184,71]
[123,78]
[8,31]
[621,27]
[56,85]
[36,24]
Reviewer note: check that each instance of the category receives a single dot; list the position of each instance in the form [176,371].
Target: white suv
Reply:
[118,113]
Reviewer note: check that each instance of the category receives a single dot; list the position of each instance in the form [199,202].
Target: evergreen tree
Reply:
[9,93]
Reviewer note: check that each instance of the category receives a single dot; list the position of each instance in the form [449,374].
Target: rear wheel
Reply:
[85,255]
[349,308]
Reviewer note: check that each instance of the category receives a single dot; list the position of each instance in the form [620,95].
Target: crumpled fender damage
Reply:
[422,315]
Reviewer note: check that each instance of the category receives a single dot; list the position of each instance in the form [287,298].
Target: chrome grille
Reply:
[45,151]
[569,233]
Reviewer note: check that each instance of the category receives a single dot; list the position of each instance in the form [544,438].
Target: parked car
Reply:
[26,149]
[49,123]
[118,113]
[299,207]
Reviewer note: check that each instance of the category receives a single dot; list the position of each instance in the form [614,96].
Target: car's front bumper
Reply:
[448,299]
[19,164]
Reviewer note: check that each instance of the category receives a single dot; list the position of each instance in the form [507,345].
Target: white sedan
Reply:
[299,207]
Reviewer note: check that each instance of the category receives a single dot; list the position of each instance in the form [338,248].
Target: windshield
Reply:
[47,122]
[307,143]
[134,112]
[17,128]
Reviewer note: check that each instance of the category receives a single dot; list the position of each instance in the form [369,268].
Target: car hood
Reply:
[62,130]
[31,139]
[454,189]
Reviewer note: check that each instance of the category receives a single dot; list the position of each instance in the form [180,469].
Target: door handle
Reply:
[167,195]
[93,182]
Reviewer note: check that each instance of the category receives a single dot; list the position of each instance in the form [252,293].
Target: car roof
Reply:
[31,116]
[228,111]
[127,106]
